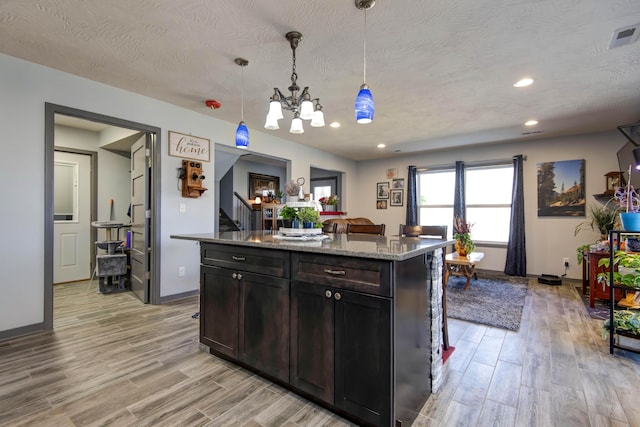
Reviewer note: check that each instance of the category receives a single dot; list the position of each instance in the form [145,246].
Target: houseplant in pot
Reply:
[329,203]
[289,215]
[629,202]
[308,216]
[462,233]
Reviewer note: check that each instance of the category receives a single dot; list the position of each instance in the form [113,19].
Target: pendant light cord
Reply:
[365,48]
[242,93]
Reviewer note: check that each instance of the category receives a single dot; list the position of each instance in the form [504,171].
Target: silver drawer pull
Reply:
[239,276]
[234,275]
[238,258]
[337,296]
[335,272]
[327,294]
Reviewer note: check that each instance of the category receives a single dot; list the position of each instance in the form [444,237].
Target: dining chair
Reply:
[377,229]
[438,232]
[329,227]
[270,216]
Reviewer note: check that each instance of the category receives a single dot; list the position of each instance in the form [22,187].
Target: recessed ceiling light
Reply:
[381,145]
[523,82]
[335,125]
[531,123]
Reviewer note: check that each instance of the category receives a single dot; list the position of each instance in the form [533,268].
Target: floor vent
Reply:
[625,36]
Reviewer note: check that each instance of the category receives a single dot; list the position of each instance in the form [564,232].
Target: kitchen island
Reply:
[351,322]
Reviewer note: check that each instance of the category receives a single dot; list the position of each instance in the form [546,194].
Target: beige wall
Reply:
[549,239]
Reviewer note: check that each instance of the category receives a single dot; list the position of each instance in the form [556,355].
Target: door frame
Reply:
[154,239]
[93,188]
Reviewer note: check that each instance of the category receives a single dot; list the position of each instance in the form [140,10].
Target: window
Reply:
[488,200]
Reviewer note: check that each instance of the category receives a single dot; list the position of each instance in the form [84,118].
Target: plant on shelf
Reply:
[308,215]
[462,233]
[289,213]
[329,200]
[601,218]
[628,273]
[623,320]
[627,199]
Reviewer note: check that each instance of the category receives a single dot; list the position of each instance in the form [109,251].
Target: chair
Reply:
[439,232]
[329,227]
[270,216]
[377,229]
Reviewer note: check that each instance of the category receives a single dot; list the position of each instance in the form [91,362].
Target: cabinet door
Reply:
[219,308]
[264,324]
[312,339]
[363,356]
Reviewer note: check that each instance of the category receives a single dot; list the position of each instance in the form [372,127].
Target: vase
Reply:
[329,208]
[295,223]
[461,248]
[307,224]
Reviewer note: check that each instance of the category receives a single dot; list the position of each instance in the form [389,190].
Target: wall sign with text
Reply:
[189,147]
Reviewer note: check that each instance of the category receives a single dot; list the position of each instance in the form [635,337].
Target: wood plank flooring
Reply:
[114,361]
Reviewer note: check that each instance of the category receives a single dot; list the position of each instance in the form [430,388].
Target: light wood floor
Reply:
[113,361]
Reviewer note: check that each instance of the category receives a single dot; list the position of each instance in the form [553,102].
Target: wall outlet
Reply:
[183,208]
[181,271]
[565,262]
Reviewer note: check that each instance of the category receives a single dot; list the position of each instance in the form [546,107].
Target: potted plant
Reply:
[288,215]
[462,233]
[601,218]
[329,203]
[628,269]
[627,199]
[308,216]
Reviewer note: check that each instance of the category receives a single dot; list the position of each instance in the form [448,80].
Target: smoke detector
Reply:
[625,36]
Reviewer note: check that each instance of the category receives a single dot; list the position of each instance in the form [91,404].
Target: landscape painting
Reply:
[561,190]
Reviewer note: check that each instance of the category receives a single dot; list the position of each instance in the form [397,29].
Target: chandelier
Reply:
[300,103]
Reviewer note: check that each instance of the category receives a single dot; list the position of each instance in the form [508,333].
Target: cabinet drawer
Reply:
[264,261]
[363,275]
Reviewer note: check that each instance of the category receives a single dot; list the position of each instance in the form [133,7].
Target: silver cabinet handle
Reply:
[238,258]
[327,294]
[337,296]
[335,272]
[234,275]
[239,276]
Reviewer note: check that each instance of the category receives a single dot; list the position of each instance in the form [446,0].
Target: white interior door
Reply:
[140,221]
[72,211]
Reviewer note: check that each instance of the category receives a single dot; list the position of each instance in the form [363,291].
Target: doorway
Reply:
[152,211]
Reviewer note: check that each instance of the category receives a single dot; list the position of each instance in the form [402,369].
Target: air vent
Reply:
[535,132]
[625,36]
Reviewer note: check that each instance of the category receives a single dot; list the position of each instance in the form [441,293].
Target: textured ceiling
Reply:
[441,72]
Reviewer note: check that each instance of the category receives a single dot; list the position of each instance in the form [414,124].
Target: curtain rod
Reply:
[471,164]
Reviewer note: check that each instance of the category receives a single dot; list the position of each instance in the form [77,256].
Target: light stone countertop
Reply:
[392,248]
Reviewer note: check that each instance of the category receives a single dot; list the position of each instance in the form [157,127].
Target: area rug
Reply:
[600,309]
[489,301]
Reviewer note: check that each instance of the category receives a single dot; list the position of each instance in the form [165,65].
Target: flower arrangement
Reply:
[629,203]
[292,188]
[330,200]
[462,233]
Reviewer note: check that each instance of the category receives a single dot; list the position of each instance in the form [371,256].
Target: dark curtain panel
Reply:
[412,197]
[459,207]
[516,264]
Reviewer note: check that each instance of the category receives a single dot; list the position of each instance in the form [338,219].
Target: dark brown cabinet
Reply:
[245,315]
[341,344]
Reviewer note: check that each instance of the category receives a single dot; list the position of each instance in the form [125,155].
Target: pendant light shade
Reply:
[242,133]
[365,106]
[242,136]
[296,125]
[271,123]
[317,121]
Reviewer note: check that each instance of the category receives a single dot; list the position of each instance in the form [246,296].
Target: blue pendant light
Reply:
[365,107]
[242,133]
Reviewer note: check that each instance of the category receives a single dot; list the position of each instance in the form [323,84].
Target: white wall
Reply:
[549,239]
[25,87]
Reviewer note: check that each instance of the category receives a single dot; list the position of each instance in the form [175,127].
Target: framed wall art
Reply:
[397,197]
[381,204]
[260,185]
[397,183]
[382,190]
[561,189]
[189,147]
